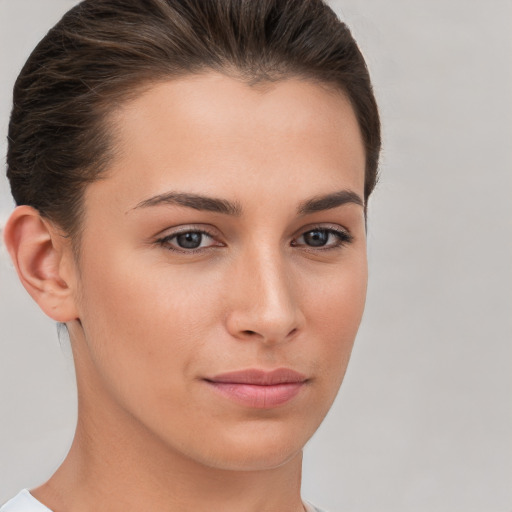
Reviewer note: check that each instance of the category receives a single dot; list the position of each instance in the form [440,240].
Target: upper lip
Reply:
[260,377]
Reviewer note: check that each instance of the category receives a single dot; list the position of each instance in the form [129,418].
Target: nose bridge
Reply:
[264,303]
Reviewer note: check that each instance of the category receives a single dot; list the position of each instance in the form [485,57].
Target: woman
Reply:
[192,181]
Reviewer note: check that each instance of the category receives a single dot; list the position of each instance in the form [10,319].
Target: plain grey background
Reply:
[424,418]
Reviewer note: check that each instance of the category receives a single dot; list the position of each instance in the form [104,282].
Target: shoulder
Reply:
[24,502]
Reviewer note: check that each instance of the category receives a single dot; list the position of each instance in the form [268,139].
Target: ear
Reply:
[44,261]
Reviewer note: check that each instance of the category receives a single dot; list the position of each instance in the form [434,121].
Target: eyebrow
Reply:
[195,201]
[329,201]
[212,204]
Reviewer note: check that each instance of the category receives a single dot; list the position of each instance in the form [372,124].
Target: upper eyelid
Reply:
[337,228]
[194,228]
[184,231]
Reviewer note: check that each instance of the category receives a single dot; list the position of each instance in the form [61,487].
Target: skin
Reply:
[149,324]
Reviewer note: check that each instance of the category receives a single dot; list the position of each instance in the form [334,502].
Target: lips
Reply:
[258,388]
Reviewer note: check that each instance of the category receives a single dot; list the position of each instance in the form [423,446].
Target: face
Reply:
[222,275]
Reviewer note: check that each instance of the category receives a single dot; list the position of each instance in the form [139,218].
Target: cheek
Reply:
[145,324]
[128,293]
[344,301]
[334,314]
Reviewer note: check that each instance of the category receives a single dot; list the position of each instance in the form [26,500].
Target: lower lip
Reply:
[257,396]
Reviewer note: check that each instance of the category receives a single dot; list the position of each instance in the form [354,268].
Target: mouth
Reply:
[259,389]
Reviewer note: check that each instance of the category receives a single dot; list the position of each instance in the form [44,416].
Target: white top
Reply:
[25,502]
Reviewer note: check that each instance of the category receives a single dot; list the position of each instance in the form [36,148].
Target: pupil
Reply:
[316,238]
[189,240]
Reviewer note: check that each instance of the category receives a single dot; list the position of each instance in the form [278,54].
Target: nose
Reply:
[263,303]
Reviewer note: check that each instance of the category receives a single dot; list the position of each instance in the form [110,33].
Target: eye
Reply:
[188,241]
[323,238]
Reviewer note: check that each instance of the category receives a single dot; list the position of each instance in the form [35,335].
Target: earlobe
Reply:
[43,259]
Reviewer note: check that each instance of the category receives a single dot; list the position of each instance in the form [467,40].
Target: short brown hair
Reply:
[103,51]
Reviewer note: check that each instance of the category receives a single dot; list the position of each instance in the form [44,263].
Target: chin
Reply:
[255,449]
[245,460]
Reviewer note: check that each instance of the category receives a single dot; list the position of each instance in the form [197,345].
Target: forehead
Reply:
[214,134]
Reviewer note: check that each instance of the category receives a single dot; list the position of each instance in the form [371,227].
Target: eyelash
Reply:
[165,241]
[343,238]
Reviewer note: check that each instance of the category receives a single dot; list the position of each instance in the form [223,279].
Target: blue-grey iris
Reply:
[189,240]
[316,238]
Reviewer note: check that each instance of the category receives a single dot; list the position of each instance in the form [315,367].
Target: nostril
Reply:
[250,333]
